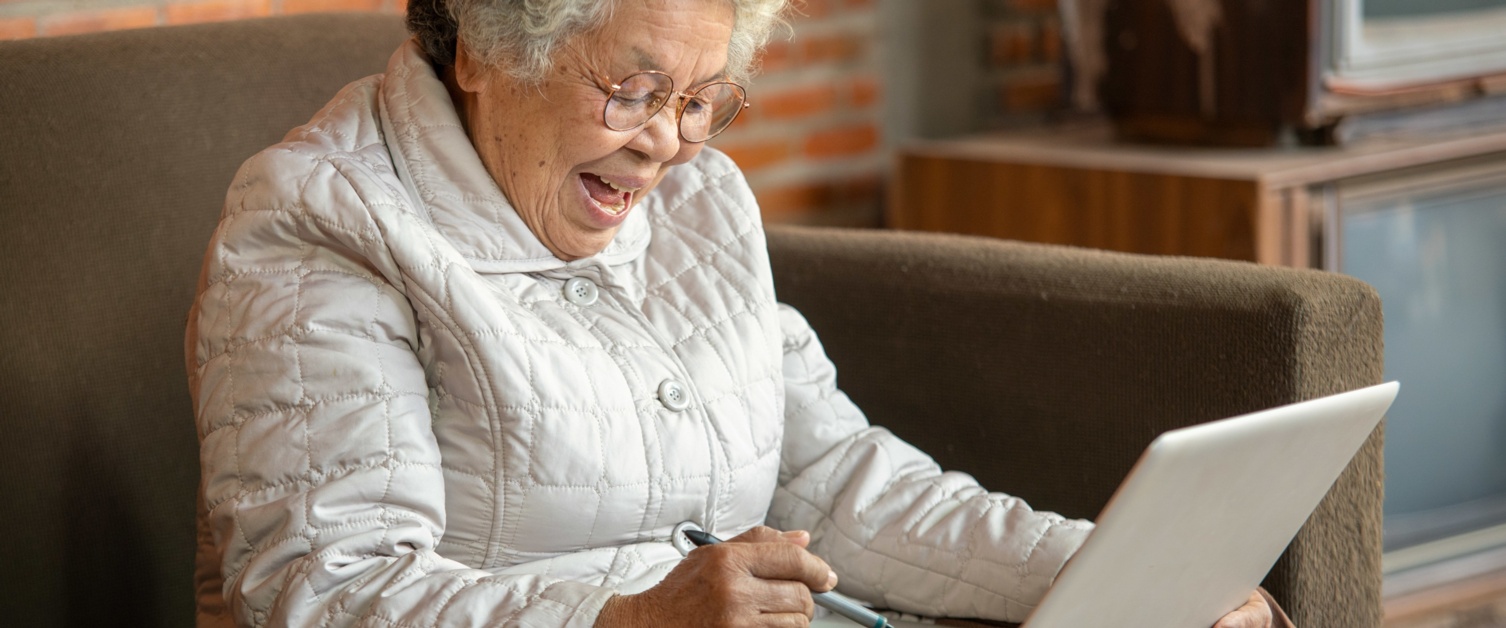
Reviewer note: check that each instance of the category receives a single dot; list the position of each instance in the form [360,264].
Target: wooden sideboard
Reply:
[1079,186]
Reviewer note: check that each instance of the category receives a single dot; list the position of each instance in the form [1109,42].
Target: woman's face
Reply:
[573,180]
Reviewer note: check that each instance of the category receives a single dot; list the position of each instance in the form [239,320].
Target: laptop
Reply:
[1204,514]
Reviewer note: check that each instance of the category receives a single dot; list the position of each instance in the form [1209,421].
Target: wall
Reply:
[812,146]
[857,79]
[962,66]
[42,18]
[811,143]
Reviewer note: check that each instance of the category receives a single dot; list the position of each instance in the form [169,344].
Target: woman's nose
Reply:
[659,138]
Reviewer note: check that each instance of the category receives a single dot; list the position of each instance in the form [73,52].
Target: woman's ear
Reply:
[471,75]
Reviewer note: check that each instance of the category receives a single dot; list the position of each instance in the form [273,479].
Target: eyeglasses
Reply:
[701,114]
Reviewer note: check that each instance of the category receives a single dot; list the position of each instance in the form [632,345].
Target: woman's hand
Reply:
[762,577]
[1256,613]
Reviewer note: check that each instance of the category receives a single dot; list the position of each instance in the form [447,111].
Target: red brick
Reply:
[1031,93]
[798,102]
[18,28]
[754,155]
[831,48]
[216,11]
[794,198]
[812,9]
[776,56]
[818,195]
[99,20]
[864,189]
[865,92]
[842,141]
[323,6]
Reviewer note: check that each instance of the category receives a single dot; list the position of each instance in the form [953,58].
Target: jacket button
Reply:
[580,291]
[672,394]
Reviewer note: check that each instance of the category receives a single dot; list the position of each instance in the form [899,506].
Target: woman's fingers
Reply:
[1254,614]
[787,561]
[783,620]
[783,598]
[762,577]
[777,555]
[766,534]
[757,534]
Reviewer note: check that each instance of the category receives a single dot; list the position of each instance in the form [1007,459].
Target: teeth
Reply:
[620,188]
[615,209]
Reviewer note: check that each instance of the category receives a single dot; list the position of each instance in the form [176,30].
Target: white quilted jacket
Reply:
[406,419]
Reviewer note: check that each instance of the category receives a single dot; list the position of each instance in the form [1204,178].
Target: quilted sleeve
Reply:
[902,533]
[320,472]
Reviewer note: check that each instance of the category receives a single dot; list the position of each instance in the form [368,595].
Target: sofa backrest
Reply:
[117,151]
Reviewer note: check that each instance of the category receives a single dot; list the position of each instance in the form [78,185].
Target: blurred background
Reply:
[1358,136]
[817,142]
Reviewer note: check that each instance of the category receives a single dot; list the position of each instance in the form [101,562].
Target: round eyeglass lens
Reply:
[637,99]
[709,110]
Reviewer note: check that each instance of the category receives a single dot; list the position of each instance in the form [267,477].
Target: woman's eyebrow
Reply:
[646,62]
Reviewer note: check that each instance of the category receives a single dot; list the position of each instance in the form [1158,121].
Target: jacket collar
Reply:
[446,179]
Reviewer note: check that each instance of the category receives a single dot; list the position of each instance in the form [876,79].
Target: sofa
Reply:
[1042,370]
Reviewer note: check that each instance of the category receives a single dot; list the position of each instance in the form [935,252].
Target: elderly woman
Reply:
[471,342]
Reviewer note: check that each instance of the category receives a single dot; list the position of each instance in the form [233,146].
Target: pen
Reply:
[831,600]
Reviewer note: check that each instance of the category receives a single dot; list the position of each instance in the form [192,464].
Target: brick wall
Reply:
[811,143]
[41,18]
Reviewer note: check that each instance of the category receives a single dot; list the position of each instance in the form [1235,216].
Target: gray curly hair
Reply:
[522,35]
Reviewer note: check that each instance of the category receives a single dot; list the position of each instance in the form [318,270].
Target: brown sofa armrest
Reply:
[1044,371]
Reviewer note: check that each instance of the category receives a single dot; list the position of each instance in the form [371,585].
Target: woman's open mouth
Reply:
[611,198]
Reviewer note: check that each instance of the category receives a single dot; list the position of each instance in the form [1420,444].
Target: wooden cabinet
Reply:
[1081,187]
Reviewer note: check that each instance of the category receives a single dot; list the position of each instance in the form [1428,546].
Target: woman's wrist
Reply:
[622,611]
[608,617]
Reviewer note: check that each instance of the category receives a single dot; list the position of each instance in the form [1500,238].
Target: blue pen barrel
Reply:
[844,606]
[830,600]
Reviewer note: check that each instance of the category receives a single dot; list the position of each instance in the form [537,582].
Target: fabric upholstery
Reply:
[1049,369]
[118,151]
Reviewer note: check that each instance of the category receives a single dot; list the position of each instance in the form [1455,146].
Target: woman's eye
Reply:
[628,98]
[698,105]
[638,98]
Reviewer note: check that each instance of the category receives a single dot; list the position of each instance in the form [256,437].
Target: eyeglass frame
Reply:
[611,89]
